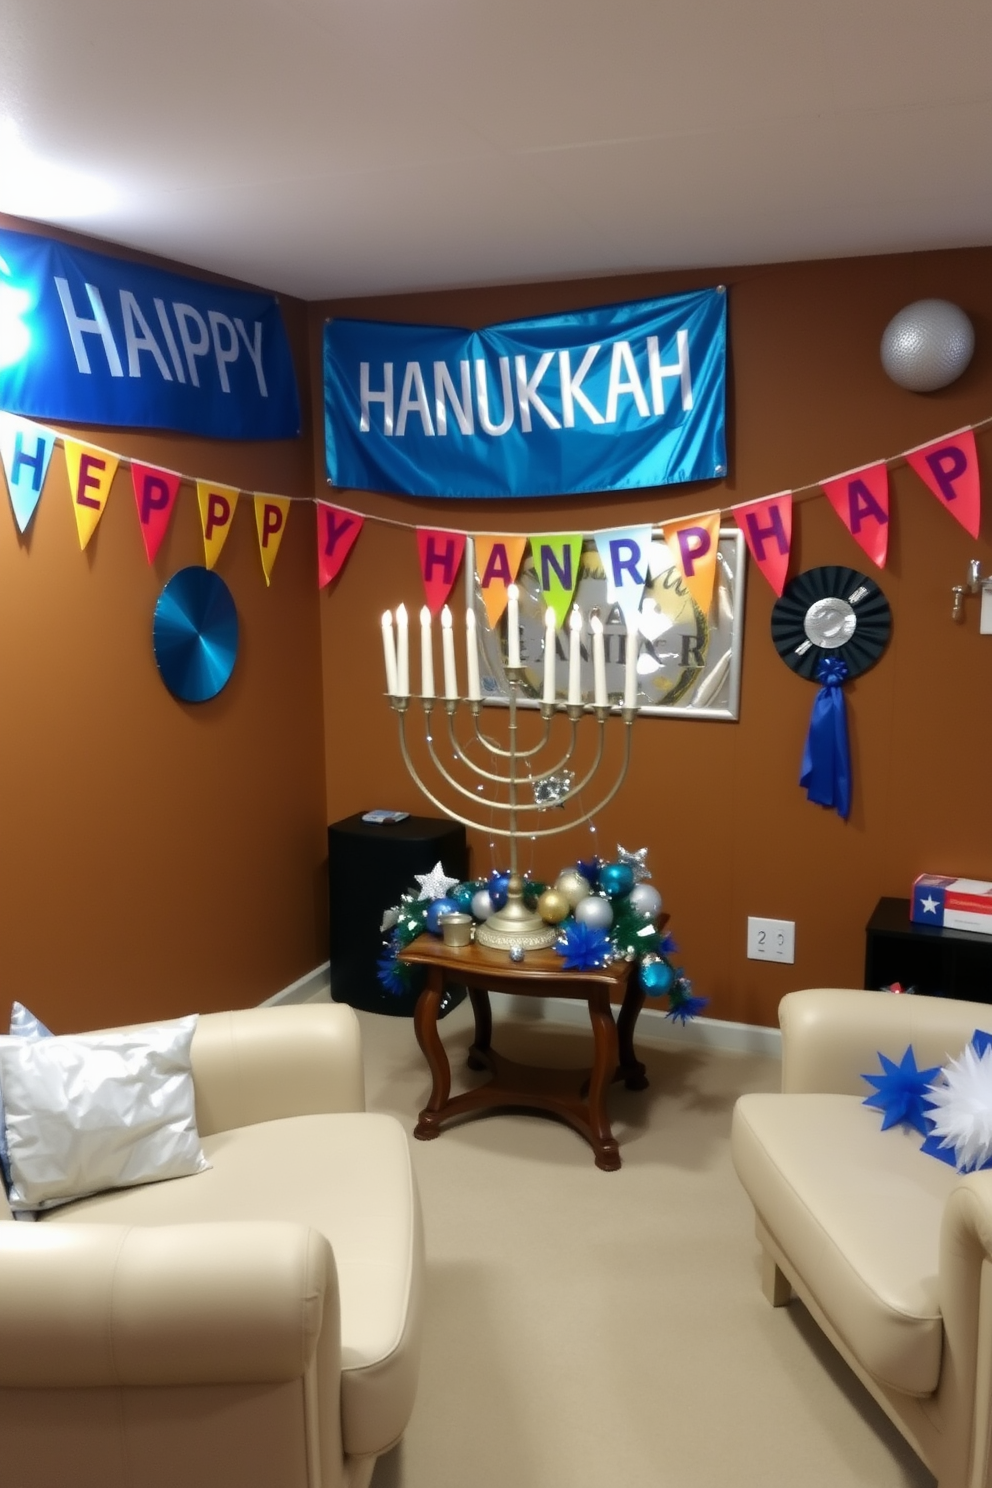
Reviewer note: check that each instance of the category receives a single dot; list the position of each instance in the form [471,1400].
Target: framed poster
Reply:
[689,664]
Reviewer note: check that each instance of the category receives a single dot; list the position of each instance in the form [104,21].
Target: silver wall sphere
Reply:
[927,345]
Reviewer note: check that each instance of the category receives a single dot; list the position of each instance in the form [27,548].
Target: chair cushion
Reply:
[857,1212]
[349,1176]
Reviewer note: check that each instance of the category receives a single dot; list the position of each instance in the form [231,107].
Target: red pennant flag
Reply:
[155,493]
[767,528]
[949,467]
[440,559]
[337,533]
[861,500]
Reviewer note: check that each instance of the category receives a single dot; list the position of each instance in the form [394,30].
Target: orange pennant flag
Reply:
[497,562]
[271,516]
[91,474]
[217,505]
[693,545]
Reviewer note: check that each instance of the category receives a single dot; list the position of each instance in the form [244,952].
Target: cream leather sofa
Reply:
[253,1326]
[890,1249]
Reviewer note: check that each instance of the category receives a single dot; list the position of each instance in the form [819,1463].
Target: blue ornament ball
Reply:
[482,904]
[463,894]
[594,911]
[657,977]
[616,879]
[438,908]
[497,886]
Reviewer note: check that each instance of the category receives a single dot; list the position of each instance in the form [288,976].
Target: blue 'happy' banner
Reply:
[99,340]
[598,400]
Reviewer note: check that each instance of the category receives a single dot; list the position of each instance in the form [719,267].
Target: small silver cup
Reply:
[456,929]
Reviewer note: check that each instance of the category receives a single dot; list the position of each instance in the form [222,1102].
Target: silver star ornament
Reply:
[636,861]
[434,885]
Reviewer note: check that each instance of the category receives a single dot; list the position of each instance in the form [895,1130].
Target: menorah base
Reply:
[530,934]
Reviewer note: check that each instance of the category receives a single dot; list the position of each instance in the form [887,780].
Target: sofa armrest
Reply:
[832,1036]
[260,1064]
[965,1292]
[110,1305]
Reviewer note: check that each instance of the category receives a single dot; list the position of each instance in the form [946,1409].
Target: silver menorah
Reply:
[515,924]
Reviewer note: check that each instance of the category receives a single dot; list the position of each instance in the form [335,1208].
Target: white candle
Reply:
[630,669]
[513,626]
[598,662]
[575,657]
[448,652]
[402,653]
[426,654]
[472,653]
[389,650]
[550,634]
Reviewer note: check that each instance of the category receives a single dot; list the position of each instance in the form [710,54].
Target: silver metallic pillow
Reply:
[94,1111]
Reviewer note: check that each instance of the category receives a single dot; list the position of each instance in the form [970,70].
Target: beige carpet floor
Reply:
[588,1329]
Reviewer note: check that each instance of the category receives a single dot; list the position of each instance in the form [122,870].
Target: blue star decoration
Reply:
[583,947]
[682,1004]
[901,1092]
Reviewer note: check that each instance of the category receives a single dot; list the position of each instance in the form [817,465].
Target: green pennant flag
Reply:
[556,563]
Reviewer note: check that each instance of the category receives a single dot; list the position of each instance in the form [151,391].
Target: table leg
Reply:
[632,1071]
[425,1027]
[604,1033]
[482,1042]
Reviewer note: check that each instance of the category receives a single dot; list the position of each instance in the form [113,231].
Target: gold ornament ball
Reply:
[573,886]
[553,907]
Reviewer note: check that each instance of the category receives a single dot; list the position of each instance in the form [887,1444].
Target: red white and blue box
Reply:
[952,903]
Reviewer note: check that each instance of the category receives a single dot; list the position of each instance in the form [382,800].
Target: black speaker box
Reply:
[369,866]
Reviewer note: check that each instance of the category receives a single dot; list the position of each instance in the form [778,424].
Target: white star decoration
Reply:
[962,1114]
[929,905]
[434,885]
[636,861]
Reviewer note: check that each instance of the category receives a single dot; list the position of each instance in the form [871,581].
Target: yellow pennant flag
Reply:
[91,474]
[693,545]
[497,562]
[217,505]
[271,516]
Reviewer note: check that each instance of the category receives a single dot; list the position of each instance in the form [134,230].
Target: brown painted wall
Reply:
[159,858]
[730,832]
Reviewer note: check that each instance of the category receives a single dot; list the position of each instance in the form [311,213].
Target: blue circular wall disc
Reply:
[195,634]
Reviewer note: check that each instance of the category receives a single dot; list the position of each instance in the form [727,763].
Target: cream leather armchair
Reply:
[889,1249]
[256,1325]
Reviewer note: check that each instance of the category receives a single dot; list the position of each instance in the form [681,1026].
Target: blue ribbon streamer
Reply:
[826,767]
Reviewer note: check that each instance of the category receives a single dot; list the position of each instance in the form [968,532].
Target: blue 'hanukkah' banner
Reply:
[598,400]
[99,340]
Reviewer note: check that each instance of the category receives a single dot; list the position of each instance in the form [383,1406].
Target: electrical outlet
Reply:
[771,940]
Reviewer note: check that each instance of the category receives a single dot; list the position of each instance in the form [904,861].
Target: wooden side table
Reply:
[578,1097]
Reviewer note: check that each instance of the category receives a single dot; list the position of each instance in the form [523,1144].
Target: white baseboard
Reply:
[313,987]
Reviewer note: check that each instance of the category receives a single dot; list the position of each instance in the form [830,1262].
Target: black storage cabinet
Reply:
[937,962]
[369,867]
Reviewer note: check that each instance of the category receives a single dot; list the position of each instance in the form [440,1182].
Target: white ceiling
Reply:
[345,147]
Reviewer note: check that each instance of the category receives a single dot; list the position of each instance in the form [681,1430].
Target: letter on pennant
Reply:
[271,516]
[624,555]
[497,562]
[767,528]
[91,474]
[440,559]
[949,467]
[861,500]
[217,505]
[26,450]
[337,533]
[693,545]
[557,562]
[155,492]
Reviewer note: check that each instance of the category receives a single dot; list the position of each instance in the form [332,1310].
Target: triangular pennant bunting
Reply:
[497,562]
[217,505]
[91,474]
[624,555]
[337,533]
[155,493]
[26,450]
[271,516]
[556,560]
[861,500]
[693,545]
[440,559]
[949,467]
[767,528]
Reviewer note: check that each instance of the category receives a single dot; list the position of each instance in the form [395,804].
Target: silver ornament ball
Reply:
[927,345]
[594,911]
[646,899]
[482,905]
[516,953]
